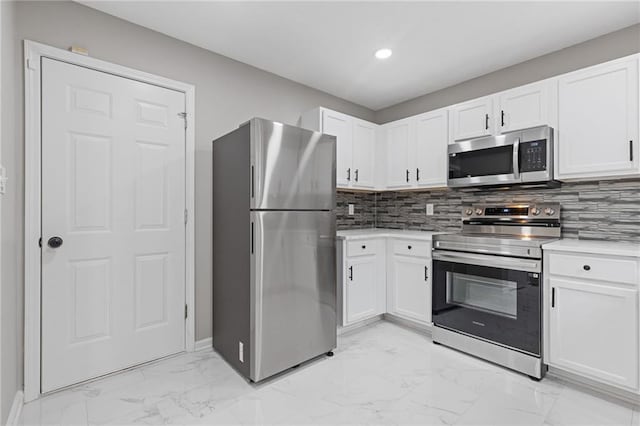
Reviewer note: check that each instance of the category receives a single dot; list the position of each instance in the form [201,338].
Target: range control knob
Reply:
[535,211]
[479,211]
[469,212]
[549,211]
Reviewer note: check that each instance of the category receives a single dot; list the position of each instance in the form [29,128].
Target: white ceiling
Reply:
[330,45]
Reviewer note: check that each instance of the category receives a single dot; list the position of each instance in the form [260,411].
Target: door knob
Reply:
[55,242]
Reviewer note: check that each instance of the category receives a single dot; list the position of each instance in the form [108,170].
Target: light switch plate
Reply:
[429,209]
[352,209]
[3,180]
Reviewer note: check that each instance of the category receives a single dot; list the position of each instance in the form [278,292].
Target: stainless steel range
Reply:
[487,283]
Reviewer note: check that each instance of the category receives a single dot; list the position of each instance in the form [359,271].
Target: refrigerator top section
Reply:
[291,168]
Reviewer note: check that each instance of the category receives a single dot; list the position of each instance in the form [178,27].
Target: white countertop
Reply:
[610,248]
[359,234]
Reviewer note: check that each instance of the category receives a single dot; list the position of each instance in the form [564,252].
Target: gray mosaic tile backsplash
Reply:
[605,210]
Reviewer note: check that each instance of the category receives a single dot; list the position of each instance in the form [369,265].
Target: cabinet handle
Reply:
[364,247]
[407,175]
[426,273]
[586,267]
[409,247]
[357,170]
[351,273]
[349,174]
[631,151]
[486,121]
[417,174]
[502,118]
[553,297]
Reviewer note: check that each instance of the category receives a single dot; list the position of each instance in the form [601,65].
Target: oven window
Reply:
[490,295]
[483,162]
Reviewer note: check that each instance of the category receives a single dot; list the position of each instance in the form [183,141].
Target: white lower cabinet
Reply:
[593,327]
[385,275]
[363,284]
[409,288]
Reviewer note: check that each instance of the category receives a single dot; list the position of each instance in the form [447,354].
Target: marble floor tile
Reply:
[381,374]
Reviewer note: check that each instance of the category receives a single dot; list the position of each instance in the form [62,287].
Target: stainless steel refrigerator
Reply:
[274,254]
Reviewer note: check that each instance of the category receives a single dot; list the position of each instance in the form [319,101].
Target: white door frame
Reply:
[33,52]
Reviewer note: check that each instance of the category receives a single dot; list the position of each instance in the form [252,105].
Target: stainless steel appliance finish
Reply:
[487,288]
[274,267]
[507,357]
[521,157]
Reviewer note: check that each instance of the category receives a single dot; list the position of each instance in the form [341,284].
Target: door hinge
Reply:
[183,115]
[31,64]
[186,216]
[186,311]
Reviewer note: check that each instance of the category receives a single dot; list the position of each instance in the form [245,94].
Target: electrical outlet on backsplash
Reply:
[604,210]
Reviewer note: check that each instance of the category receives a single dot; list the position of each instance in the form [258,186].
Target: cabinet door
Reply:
[431,149]
[472,119]
[598,121]
[361,292]
[410,292]
[524,107]
[340,126]
[399,173]
[364,145]
[593,330]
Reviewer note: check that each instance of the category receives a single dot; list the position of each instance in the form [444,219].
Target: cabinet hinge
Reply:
[186,311]
[183,115]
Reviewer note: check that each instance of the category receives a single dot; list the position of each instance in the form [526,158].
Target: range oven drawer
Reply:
[495,298]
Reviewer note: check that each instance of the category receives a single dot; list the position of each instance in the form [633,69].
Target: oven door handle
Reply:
[492,261]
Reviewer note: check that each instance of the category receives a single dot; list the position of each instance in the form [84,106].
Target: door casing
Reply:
[33,52]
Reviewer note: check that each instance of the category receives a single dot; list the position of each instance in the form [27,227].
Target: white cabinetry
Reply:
[472,119]
[355,149]
[598,122]
[591,316]
[409,280]
[515,109]
[399,143]
[363,280]
[527,106]
[417,151]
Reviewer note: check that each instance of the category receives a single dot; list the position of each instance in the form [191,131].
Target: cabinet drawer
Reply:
[361,248]
[595,268]
[412,248]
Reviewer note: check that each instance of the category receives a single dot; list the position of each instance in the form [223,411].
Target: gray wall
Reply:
[11,287]
[227,94]
[607,47]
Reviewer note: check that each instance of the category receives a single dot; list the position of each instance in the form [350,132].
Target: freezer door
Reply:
[293,290]
[291,168]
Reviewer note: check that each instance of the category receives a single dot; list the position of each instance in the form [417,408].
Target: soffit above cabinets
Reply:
[330,45]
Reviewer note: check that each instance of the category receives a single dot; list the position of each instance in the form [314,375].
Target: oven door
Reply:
[487,161]
[495,298]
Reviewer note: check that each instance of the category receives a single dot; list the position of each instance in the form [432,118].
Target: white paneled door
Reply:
[113,232]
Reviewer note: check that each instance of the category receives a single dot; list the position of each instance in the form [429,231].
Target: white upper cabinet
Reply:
[431,130]
[340,126]
[399,144]
[598,121]
[364,145]
[527,106]
[355,149]
[472,119]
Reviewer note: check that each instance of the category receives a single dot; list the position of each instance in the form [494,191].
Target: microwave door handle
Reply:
[516,159]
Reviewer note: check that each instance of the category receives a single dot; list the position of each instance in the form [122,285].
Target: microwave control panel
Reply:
[533,156]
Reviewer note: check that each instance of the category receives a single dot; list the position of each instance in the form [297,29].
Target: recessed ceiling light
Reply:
[383,53]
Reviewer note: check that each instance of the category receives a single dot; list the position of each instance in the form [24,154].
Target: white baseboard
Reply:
[16,409]
[204,344]
[414,325]
[358,325]
[599,388]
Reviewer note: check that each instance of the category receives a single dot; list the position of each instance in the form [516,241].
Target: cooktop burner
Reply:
[510,229]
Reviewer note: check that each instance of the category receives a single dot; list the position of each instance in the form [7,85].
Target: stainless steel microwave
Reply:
[521,157]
